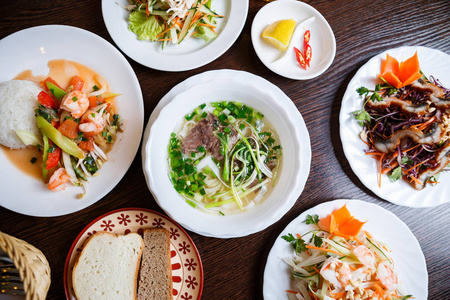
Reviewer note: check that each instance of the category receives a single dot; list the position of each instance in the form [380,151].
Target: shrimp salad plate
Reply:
[258,93]
[322,40]
[35,50]
[432,63]
[181,55]
[381,230]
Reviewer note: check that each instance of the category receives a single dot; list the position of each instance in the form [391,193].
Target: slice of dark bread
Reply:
[155,277]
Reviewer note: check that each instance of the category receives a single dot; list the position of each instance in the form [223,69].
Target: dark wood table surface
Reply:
[233,268]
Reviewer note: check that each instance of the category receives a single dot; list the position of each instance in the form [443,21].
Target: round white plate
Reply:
[280,111]
[382,224]
[31,49]
[191,53]
[432,62]
[284,63]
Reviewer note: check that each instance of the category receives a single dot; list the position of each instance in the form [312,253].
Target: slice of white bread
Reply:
[108,266]
[155,277]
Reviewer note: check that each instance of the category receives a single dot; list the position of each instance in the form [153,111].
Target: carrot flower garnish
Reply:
[400,74]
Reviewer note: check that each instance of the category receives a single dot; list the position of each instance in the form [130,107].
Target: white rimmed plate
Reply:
[432,62]
[281,113]
[31,49]
[191,53]
[322,41]
[382,224]
[187,269]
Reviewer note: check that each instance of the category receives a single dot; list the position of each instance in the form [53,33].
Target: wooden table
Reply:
[233,268]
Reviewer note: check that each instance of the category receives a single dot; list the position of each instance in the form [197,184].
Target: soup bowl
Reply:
[278,110]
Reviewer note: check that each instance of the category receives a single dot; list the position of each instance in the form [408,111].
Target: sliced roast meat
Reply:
[404,105]
[434,135]
[202,134]
[442,159]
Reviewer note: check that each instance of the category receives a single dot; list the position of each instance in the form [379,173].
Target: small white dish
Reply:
[191,53]
[257,93]
[284,63]
[31,49]
[432,62]
[408,257]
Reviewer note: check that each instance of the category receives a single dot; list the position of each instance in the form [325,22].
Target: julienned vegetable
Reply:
[172,21]
[336,259]
[406,124]
[224,157]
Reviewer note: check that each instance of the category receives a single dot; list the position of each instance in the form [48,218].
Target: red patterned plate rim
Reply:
[187,268]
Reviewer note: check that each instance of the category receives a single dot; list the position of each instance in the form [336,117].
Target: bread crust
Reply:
[98,235]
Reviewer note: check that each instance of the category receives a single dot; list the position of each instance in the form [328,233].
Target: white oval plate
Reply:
[191,53]
[432,62]
[382,224]
[322,41]
[31,49]
[257,93]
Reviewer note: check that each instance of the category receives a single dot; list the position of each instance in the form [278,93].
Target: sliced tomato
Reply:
[76,83]
[87,145]
[308,53]
[49,79]
[53,157]
[95,100]
[300,58]
[45,99]
[69,128]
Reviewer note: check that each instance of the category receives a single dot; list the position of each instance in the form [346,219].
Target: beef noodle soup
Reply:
[224,157]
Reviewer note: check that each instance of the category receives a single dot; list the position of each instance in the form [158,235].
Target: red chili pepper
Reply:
[306,37]
[53,157]
[47,100]
[308,53]
[300,58]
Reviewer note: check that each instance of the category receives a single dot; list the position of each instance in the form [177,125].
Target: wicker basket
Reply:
[31,263]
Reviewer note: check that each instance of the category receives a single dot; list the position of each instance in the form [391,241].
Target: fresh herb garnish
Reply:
[314,219]
[298,243]
[396,174]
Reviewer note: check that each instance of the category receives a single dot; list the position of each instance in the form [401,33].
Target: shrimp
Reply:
[92,122]
[336,272]
[58,180]
[365,256]
[76,103]
[387,276]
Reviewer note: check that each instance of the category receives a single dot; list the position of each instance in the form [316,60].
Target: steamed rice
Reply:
[18,100]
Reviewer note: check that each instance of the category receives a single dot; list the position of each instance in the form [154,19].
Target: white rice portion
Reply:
[18,100]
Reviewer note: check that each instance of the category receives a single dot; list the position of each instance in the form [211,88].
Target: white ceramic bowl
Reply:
[295,164]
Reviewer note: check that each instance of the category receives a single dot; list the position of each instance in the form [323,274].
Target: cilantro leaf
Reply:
[316,239]
[314,219]
[362,90]
[396,174]
[298,243]
[362,115]
[406,161]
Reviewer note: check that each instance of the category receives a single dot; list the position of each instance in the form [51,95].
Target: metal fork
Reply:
[10,281]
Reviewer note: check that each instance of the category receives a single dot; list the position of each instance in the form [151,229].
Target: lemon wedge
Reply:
[279,33]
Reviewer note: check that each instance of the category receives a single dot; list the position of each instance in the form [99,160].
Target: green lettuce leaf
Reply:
[205,33]
[146,28]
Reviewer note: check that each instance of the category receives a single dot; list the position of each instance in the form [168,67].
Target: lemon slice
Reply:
[279,33]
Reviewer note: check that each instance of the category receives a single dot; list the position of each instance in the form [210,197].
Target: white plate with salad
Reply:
[33,49]
[176,36]
[432,63]
[384,228]
[261,215]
